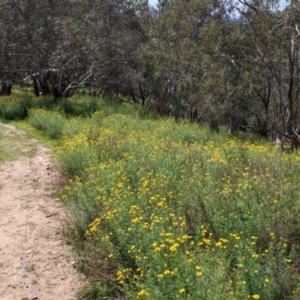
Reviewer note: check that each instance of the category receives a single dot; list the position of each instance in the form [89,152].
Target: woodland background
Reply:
[232,62]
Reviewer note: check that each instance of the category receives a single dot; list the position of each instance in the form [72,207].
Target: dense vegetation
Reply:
[162,207]
[169,210]
[232,62]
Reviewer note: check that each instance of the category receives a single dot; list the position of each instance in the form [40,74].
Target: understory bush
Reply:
[18,105]
[51,123]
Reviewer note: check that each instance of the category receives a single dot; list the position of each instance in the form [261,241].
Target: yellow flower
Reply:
[181,291]
[142,293]
[174,247]
[255,296]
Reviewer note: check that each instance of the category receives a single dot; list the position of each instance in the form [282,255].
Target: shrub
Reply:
[50,122]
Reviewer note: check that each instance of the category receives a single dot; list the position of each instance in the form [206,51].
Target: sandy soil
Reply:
[35,261]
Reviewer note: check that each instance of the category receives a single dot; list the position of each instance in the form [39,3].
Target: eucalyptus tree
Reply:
[29,39]
[268,64]
[99,44]
[246,80]
[60,46]
[174,57]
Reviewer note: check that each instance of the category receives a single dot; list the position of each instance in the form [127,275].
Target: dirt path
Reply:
[35,262]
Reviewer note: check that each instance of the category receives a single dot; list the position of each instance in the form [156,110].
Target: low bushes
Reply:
[51,123]
[164,210]
[167,211]
[18,105]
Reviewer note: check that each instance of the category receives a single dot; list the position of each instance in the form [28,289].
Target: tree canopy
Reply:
[230,62]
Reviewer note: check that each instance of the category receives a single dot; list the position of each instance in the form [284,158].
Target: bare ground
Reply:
[35,261]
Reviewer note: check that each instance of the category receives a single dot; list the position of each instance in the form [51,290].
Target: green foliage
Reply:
[51,123]
[165,210]
[169,211]
[96,292]
[17,106]
[11,109]
[80,106]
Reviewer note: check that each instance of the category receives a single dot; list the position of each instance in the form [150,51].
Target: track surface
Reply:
[35,262]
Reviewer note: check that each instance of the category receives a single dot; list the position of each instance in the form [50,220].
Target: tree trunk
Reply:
[6,87]
[233,125]
[290,112]
[36,87]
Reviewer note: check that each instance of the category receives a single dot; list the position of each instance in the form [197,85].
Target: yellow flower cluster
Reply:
[186,213]
[93,227]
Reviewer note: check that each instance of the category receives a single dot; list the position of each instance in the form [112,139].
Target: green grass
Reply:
[2,153]
[165,210]
[14,143]
[17,105]
[33,132]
